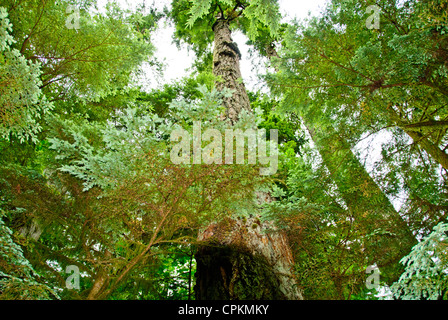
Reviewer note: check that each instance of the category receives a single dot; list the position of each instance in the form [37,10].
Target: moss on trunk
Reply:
[227,273]
[239,259]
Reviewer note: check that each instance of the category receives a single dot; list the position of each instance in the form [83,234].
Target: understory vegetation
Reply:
[93,207]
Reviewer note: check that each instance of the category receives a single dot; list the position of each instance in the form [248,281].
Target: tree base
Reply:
[238,260]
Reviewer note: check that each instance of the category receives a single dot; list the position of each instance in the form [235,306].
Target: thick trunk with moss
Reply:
[244,259]
[241,258]
[386,236]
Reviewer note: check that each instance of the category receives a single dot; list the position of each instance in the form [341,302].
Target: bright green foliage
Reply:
[18,279]
[200,36]
[145,200]
[92,184]
[88,63]
[265,12]
[21,100]
[170,276]
[187,89]
[412,173]
[426,271]
[367,79]
[330,259]
[145,134]
[194,19]
[347,81]
[176,274]
[198,9]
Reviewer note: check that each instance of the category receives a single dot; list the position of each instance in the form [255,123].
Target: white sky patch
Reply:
[300,8]
[369,150]
[177,62]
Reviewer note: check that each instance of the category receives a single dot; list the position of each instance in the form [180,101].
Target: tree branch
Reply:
[25,42]
[431,123]
[222,12]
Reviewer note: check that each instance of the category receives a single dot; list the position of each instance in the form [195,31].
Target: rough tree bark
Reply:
[241,258]
[226,66]
[244,259]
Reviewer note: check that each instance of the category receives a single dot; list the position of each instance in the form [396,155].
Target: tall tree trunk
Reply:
[244,259]
[371,209]
[386,236]
[99,285]
[101,280]
[432,149]
[241,258]
[226,66]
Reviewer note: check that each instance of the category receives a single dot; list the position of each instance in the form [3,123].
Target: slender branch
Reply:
[15,5]
[323,55]
[222,12]
[152,241]
[236,6]
[25,42]
[237,16]
[430,123]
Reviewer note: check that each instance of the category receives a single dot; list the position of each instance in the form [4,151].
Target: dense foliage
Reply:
[87,180]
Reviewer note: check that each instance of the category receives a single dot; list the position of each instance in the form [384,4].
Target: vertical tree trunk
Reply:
[99,286]
[244,259]
[432,149]
[226,66]
[101,280]
[241,258]
[386,236]
[371,209]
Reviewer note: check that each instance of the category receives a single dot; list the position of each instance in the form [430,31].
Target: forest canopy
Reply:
[354,108]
